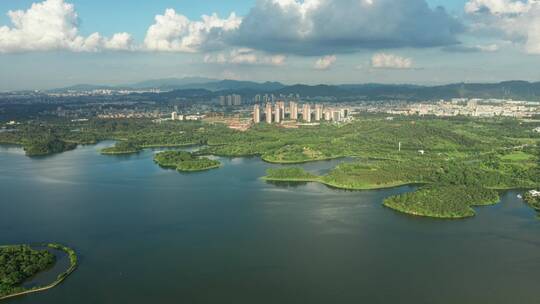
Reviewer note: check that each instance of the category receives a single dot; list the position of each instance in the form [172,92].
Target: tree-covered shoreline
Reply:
[448,202]
[19,263]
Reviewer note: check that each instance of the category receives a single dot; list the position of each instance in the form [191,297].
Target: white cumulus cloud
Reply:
[174,32]
[53,25]
[390,61]
[485,48]
[119,41]
[497,6]
[326,62]
[517,21]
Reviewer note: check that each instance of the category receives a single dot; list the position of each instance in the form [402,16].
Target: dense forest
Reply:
[290,174]
[443,201]
[18,263]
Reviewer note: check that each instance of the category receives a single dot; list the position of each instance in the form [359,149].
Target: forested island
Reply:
[461,157]
[19,263]
[185,161]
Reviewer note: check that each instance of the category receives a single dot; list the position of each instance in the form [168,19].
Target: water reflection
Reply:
[284,184]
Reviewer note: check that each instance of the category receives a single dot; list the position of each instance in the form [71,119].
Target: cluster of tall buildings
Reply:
[273,98]
[230,100]
[278,112]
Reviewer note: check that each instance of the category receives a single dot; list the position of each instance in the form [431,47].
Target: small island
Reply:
[21,262]
[185,161]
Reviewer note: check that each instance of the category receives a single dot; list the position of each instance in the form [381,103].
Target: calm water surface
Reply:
[148,235]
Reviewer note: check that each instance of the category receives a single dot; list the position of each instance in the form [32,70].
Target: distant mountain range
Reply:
[171,84]
[212,87]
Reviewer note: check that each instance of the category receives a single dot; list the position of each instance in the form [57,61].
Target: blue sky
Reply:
[390,41]
[111,16]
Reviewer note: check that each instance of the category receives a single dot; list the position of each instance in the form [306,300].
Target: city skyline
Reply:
[342,42]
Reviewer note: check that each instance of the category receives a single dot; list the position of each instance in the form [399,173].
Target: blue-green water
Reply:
[148,235]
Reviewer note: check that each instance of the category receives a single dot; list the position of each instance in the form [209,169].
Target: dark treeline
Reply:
[18,263]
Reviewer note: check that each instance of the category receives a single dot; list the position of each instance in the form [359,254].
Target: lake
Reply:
[149,235]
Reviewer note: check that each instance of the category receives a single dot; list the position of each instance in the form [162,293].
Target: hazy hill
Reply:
[228,85]
[200,86]
[170,83]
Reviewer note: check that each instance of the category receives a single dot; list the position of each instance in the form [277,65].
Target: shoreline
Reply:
[320,179]
[442,217]
[118,152]
[394,185]
[338,186]
[198,170]
[296,162]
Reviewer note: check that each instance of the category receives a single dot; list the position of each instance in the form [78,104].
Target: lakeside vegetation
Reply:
[477,154]
[40,139]
[18,263]
[290,174]
[443,201]
[533,201]
[450,188]
[463,163]
[185,161]
[47,145]
[294,154]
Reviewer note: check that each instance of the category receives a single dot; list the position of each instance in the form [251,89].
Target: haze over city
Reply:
[312,41]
